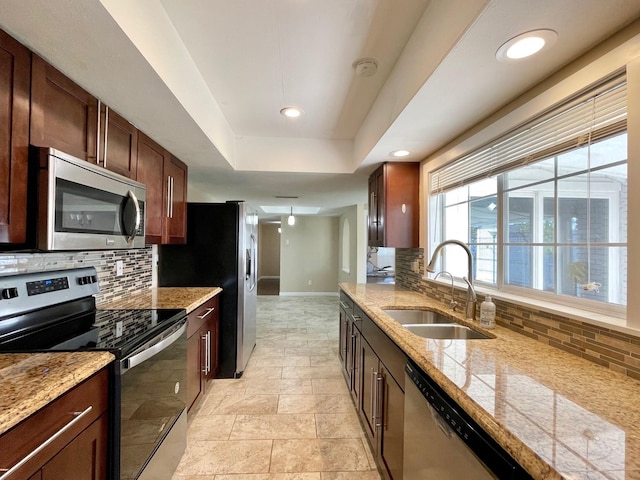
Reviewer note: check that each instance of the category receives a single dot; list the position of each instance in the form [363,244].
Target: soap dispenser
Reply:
[488,313]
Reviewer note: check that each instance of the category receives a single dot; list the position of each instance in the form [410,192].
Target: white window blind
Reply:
[594,115]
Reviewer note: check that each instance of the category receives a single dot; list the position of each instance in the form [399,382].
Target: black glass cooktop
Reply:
[68,329]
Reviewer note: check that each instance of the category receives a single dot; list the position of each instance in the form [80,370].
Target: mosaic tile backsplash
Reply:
[617,351]
[137,268]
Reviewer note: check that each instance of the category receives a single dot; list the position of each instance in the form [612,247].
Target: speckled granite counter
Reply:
[32,380]
[558,415]
[188,298]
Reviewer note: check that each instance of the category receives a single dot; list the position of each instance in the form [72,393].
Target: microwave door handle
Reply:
[133,197]
[138,358]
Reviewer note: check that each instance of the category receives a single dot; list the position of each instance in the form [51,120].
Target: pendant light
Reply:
[291,220]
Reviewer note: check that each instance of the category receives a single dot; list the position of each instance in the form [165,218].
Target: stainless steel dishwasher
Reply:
[442,442]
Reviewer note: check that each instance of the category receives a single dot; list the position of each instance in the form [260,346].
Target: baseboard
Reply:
[309,294]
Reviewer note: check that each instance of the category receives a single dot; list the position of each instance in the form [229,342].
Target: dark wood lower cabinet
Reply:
[391,433]
[82,459]
[71,432]
[376,385]
[202,349]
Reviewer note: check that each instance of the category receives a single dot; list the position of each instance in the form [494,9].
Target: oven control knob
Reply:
[9,293]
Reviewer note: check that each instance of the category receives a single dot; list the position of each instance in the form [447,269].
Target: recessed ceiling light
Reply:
[399,153]
[291,112]
[525,45]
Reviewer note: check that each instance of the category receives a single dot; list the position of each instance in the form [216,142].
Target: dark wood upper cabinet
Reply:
[151,158]
[176,220]
[118,140]
[394,205]
[63,115]
[166,179]
[15,74]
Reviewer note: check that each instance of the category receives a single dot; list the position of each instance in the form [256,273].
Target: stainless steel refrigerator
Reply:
[221,251]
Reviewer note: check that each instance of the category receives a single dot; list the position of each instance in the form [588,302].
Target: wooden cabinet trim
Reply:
[25,437]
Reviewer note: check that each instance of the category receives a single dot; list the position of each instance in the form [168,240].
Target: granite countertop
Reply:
[32,380]
[558,415]
[188,298]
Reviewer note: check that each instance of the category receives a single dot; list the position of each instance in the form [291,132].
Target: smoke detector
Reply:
[366,67]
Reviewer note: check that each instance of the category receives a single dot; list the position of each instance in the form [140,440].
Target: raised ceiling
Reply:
[207,78]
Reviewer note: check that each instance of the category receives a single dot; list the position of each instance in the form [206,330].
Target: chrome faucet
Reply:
[470,309]
[452,304]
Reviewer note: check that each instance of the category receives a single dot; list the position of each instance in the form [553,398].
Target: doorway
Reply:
[269,259]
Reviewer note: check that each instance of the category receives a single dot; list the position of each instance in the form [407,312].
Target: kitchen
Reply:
[139,265]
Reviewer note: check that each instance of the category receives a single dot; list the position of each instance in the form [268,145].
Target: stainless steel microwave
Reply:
[82,206]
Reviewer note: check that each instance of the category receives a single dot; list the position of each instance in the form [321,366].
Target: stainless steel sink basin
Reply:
[418,316]
[444,331]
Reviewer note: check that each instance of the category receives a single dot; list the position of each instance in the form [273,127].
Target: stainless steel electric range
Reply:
[56,310]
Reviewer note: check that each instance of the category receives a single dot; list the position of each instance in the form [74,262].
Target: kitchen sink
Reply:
[418,316]
[444,331]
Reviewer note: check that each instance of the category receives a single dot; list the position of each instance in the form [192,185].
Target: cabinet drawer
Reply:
[82,405]
[202,314]
[389,353]
[345,302]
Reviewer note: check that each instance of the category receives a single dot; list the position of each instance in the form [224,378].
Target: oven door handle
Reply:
[138,358]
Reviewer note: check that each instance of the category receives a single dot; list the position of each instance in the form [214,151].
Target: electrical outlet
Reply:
[310,282]
[118,329]
[119,268]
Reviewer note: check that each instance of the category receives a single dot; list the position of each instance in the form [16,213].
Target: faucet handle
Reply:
[452,305]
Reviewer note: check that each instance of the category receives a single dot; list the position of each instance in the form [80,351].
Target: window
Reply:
[544,212]
[346,246]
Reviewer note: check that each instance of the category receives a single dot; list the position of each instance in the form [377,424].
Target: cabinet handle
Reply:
[374,406]
[171,203]
[47,442]
[379,402]
[208,351]
[209,310]
[106,131]
[204,366]
[344,305]
[169,197]
[98,135]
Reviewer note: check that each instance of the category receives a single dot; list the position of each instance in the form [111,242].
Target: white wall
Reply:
[309,252]
[357,254]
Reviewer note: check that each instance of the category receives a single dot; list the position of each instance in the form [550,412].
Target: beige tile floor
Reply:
[290,416]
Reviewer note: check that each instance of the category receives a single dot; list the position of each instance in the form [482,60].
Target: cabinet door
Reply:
[368,399]
[63,115]
[342,349]
[15,69]
[194,368]
[82,459]
[356,371]
[392,428]
[151,158]
[213,330]
[401,204]
[375,231]
[176,218]
[119,141]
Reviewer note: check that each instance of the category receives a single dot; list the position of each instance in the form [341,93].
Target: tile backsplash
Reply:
[615,350]
[137,268]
